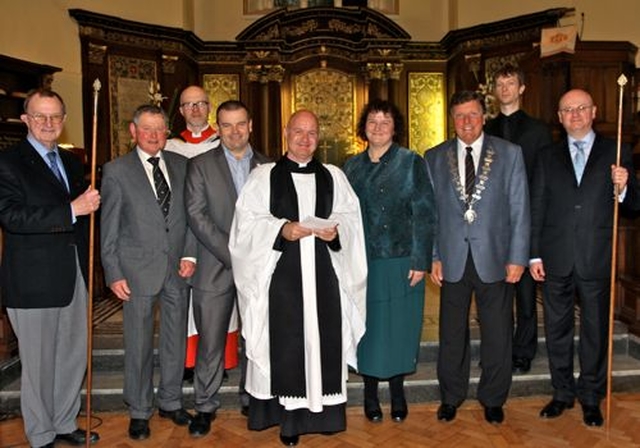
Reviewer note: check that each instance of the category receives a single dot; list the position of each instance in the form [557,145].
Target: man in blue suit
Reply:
[571,232]
[481,246]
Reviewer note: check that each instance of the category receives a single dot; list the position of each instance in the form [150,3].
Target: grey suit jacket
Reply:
[500,234]
[210,198]
[137,244]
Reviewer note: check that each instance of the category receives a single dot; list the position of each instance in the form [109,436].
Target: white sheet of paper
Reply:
[315,223]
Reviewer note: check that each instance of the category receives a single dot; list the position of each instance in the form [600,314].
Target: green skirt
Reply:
[391,342]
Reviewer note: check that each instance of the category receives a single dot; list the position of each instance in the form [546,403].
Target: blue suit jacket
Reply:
[500,234]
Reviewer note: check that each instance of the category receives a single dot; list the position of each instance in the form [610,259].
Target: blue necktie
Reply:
[53,164]
[579,159]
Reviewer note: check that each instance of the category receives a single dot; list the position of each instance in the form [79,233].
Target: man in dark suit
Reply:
[572,219]
[44,203]
[214,180]
[513,124]
[481,246]
[147,253]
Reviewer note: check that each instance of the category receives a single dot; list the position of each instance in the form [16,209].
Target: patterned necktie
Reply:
[162,187]
[469,173]
[579,159]
[53,164]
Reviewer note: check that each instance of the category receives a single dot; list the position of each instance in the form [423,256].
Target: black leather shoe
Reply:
[446,412]
[592,416]
[201,424]
[521,365]
[77,437]
[180,416]
[494,414]
[289,440]
[399,410]
[244,410]
[372,411]
[555,408]
[139,429]
[187,375]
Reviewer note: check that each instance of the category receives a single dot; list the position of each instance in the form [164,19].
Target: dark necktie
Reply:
[469,173]
[162,187]
[579,160]
[53,164]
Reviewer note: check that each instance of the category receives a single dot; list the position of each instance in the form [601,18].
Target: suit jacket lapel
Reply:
[176,188]
[141,183]
[455,182]
[41,170]
[221,160]
[597,151]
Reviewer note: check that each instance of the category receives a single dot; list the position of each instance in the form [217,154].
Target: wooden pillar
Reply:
[266,79]
[393,72]
[264,113]
[374,74]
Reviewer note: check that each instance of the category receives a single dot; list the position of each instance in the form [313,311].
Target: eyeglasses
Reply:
[194,104]
[42,119]
[578,109]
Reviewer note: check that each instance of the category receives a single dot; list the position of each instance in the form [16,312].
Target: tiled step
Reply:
[420,387]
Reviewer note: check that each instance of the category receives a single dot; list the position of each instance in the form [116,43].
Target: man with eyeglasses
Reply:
[44,204]
[148,253]
[481,247]
[572,218]
[198,137]
[515,125]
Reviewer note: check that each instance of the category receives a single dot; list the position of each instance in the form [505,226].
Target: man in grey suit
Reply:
[214,180]
[147,253]
[481,246]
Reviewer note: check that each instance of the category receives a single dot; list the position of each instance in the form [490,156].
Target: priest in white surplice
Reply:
[299,265]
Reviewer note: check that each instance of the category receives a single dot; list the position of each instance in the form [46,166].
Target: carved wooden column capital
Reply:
[265,73]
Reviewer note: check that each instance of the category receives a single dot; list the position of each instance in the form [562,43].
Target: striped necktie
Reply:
[469,173]
[162,187]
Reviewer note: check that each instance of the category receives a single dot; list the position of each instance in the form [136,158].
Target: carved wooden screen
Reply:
[331,95]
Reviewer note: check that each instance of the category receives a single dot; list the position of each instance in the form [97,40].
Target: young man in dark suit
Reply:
[572,218]
[44,202]
[515,125]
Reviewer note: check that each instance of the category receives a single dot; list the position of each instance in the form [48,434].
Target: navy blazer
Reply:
[572,224]
[40,240]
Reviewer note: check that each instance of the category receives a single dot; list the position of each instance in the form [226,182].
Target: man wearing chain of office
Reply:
[481,247]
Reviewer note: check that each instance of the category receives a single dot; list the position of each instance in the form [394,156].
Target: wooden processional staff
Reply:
[622,80]
[92,233]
